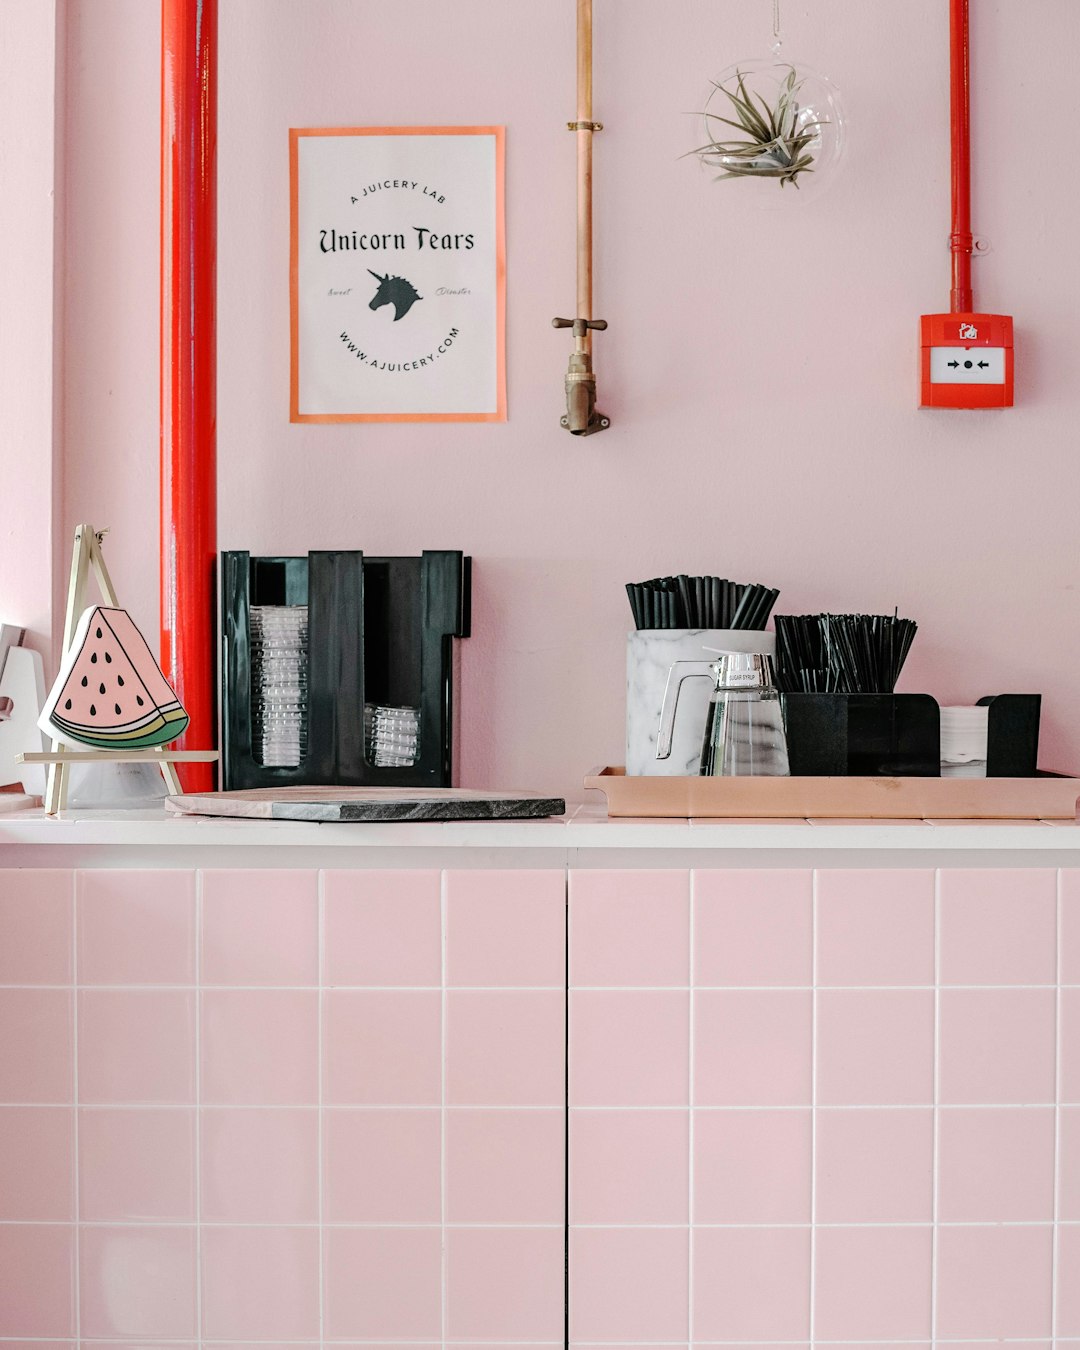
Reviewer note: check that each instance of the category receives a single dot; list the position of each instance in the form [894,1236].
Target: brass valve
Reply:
[581,417]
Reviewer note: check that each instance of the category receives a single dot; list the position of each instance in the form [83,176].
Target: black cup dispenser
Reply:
[379,633]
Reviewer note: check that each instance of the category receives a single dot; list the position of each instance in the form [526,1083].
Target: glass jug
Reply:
[744,731]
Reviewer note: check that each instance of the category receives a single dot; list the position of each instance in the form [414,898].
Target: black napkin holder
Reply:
[380,631]
[899,735]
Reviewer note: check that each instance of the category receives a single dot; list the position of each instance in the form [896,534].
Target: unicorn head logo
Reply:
[394,291]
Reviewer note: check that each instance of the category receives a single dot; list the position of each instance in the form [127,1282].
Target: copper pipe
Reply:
[581,417]
[584,134]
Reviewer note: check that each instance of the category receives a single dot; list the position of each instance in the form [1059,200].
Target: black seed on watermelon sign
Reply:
[84,681]
[120,681]
[67,706]
[93,658]
[93,711]
[101,688]
[98,634]
[138,700]
[108,659]
[117,707]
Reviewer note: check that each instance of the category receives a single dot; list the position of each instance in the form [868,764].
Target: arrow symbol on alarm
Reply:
[953,365]
[983,365]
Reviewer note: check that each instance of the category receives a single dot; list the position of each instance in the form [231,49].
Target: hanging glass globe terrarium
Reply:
[774,124]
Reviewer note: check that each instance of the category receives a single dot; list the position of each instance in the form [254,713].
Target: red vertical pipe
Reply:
[960,241]
[188,359]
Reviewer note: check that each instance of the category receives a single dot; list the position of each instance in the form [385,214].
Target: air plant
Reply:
[778,139]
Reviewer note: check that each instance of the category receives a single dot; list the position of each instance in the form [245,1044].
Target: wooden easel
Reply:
[86,556]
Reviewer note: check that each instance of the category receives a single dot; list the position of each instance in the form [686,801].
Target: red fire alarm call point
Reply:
[967,361]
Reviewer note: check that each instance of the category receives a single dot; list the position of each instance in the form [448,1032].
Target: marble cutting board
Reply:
[371,804]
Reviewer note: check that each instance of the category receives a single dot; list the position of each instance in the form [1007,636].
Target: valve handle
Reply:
[580,325]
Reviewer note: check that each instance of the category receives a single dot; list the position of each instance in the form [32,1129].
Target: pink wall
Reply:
[759,368]
[28,425]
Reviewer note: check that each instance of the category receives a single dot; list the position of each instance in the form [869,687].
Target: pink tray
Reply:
[1046,797]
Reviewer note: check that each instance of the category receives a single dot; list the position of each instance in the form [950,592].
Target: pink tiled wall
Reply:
[282,1106]
[822,1107]
[288,1106]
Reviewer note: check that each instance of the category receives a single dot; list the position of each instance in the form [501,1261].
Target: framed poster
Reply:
[398,274]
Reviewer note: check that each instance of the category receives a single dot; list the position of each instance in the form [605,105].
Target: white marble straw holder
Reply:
[650,654]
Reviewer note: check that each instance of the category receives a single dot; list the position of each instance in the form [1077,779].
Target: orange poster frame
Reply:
[499,133]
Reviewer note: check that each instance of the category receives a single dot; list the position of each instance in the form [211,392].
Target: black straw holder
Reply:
[899,735]
[379,631]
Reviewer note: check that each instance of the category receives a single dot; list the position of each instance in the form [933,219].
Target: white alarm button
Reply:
[967,365]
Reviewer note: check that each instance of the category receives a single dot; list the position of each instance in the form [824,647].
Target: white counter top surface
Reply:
[586,827]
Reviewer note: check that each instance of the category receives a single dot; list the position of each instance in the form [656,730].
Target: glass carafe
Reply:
[744,730]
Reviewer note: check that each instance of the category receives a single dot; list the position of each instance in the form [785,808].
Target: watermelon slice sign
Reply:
[110,692]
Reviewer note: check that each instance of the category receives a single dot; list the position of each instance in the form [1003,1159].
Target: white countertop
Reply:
[586,827]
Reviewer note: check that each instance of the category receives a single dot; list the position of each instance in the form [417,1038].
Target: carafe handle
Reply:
[680,670]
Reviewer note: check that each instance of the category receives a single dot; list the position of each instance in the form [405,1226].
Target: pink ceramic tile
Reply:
[1068,1281]
[136,1046]
[259,1047]
[506,928]
[628,1284]
[136,1164]
[752,1047]
[382,1283]
[505,1049]
[752,1166]
[629,928]
[52,1345]
[135,927]
[504,1166]
[875,1166]
[994,1282]
[36,1163]
[998,925]
[382,928]
[260,927]
[381,1166]
[382,1047]
[997,1045]
[146,1343]
[996,1166]
[1069,883]
[629,1166]
[751,1283]
[875,926]
[260,1283]
[1070,1045]
[504,1283]
[1013,1345]
[872,1284]
[35,926]
[137,1281]
[260,1166]
[629,1049]
[752,927]
[36,1037]
[875,1047]
[38,1265]
[1069,1164]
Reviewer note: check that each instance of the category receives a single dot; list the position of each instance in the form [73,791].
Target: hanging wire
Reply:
[776,27]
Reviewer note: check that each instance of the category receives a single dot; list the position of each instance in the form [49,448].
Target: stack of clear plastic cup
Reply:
[391,736]
[279,684]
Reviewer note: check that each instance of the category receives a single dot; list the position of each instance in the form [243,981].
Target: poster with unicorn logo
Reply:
[398,274]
